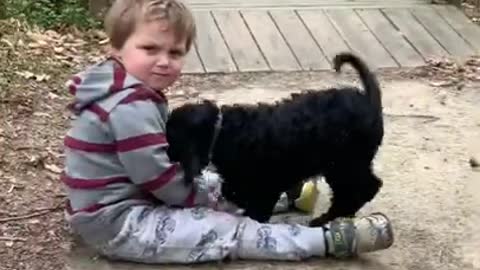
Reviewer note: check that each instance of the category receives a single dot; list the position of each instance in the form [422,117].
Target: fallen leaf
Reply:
[55,154]
[442,84]
[52,95]
[62,57]
[58,49]
[74,50]
[43,43]
[37,249]
[25,74]
[53,168]
[103,42]
[79,42]
[100,34]
[36,36]
[38,52]
[67,63]
[43,77]
[34,221]
[35,45]
[52,176]
[36,161]
[41,114]
[12,179]
[6,41]
[20,43]
[52,34]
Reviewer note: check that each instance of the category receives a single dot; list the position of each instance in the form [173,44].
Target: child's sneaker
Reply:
[350,237]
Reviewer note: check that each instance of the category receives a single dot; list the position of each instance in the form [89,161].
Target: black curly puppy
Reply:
[265,149]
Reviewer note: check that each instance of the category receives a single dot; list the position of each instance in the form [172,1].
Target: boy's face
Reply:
[153,55]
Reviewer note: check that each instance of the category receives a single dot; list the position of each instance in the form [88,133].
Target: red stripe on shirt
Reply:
[73,87]
[119,76]
[77,144]
[140,141]
[99,111]
[142,93]
[77,79]
[162,180]
[78,183]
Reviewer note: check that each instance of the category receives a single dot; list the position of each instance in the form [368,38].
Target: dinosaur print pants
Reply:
[193,235]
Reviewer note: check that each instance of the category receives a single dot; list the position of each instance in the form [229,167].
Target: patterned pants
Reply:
[166,235]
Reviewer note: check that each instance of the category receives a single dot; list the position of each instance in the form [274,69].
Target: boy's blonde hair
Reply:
[123,16]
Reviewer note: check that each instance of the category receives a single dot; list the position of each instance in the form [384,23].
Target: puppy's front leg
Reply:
[261,207]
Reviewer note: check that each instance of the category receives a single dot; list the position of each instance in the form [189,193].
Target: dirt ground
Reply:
[431,192]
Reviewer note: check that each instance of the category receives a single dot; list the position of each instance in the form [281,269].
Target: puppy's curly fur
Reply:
[263,150]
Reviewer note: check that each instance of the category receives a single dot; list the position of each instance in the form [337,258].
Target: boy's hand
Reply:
[210,183]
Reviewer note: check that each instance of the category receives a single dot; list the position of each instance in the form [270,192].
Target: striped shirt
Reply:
[116,147]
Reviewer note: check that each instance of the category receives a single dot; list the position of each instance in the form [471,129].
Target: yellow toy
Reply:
[308,197]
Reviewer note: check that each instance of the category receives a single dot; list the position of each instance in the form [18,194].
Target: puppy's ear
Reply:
[190,162]
[206,113]
[208,102]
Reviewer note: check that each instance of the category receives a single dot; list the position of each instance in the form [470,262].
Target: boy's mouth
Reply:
[161,74]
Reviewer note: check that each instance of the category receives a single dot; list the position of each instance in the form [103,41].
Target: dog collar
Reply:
[216,131]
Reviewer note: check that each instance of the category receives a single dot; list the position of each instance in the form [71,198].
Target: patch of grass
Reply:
[50,14]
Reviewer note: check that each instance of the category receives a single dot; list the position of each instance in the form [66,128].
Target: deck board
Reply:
[391,39]
[243,47]
[211,46]
[270,40]
[324,32]
[290,37]
[443,33]
[302,43]
[193,63]
[461,24]
[360,39]
[415,33]
[293,4]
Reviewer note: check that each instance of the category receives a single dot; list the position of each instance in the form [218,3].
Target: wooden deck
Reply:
[282,4]
[289,35]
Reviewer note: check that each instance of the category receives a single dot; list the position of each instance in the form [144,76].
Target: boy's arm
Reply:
[139,132]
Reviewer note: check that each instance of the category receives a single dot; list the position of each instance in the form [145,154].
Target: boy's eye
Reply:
[177,53]
[148,48]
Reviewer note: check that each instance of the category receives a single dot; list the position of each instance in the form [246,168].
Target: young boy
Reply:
[127,200]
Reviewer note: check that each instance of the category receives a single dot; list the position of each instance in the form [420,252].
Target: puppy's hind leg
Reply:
[351,188]
[261,204]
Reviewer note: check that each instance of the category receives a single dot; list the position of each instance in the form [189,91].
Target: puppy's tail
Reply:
[369,80]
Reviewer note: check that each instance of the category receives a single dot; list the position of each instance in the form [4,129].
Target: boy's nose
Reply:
[163,60]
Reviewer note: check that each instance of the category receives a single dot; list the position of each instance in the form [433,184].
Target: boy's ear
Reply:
[114,52]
